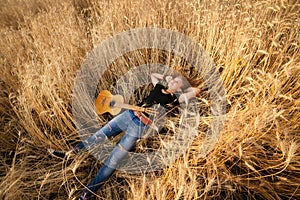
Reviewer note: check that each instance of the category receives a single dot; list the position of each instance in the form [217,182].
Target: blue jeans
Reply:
[133,127]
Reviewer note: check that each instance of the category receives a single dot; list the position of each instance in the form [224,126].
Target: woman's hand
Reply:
[194,90]
[168,78]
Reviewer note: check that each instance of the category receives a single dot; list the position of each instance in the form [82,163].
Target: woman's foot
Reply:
[60,154]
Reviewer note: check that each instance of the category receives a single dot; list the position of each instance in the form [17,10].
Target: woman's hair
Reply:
[188,80]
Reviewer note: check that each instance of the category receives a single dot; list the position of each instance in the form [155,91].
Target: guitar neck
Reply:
[130,107]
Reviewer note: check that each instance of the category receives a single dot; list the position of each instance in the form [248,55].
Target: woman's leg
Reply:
[112,128]
[126,144]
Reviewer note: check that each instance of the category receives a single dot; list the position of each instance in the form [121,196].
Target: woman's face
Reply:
[175,84]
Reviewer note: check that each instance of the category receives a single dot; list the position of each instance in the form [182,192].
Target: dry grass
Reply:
[255,45]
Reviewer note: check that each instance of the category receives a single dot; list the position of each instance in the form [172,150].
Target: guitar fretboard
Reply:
[127,106]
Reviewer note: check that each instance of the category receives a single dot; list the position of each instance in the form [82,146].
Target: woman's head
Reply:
[178,83]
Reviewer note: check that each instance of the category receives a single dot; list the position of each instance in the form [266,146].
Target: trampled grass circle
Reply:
[98,61]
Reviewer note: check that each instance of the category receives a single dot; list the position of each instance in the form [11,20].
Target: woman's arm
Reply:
[156,77]
[189,93]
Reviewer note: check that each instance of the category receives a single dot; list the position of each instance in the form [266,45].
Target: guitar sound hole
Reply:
[112,103]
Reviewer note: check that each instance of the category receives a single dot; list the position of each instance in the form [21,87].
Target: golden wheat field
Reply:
[255,45]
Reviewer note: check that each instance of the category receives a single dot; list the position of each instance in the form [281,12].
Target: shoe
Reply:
[58,154]
[83,198]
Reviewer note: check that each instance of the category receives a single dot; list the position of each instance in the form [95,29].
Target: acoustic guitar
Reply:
[107,102]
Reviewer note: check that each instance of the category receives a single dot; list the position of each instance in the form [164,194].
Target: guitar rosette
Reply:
[99,62]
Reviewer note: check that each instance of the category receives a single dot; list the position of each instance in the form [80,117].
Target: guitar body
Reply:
[106,102]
